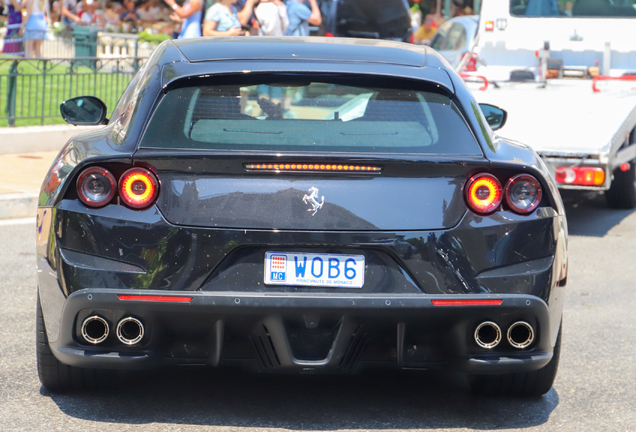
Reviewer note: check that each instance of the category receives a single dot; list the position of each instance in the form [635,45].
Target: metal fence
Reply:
[31,90]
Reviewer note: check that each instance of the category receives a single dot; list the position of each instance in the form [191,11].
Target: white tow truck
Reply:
[583,122]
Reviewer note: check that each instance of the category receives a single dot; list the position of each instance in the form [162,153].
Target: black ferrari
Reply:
[299,205]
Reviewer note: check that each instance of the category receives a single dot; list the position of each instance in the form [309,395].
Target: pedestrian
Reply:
[151,11]
[300,17]
[129,15]
[272,18]
[111,14]
[425,34]
[34,27]
[70,15]
[222,19]
[12,39]
[56,12]
[88,12]
[190,16]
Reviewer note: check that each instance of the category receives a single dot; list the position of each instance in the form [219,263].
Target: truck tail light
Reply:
[580,176]
[138,188]
[523,193]
[96,187]
[483,193]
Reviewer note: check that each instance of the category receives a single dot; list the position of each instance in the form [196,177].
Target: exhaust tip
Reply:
[95,329]
[488,335]
[520,335]
[130,331]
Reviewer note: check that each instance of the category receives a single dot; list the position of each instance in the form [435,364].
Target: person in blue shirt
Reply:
[129,14]
[223,19]
[190,16]
[300,17]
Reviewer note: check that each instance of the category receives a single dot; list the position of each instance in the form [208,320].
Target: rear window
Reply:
[578,8]
[308,116]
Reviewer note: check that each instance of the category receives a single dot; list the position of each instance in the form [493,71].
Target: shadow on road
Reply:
[379,400]
[589,215]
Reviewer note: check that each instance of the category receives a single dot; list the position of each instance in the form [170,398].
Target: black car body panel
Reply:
[207,234]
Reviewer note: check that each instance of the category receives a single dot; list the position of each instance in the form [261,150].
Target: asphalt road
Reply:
[595,388]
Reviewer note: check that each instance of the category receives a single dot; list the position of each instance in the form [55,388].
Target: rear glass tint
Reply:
[308,116]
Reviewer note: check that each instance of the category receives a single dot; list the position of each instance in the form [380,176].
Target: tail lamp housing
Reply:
[580,175]
[523,193]
[483,193]
[96,187]
[138,188]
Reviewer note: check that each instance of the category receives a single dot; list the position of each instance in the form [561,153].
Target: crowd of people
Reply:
[251,17]
[29,20]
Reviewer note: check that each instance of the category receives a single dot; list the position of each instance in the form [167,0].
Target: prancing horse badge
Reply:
[312,199]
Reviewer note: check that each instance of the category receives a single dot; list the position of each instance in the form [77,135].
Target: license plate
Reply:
[314,269]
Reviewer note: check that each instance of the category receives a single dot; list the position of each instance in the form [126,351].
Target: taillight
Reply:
[523,193]
[96,186]
[483,193]
[581,176]
[138,188]
[328,34]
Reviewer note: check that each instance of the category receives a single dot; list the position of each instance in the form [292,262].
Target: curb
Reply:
[18,205]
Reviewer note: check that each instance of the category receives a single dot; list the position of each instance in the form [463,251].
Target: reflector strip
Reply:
[312,167]
[485,302]
[155,298]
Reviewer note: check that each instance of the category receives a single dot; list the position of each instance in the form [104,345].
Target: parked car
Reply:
[231,218]
[377,19]
[455,38]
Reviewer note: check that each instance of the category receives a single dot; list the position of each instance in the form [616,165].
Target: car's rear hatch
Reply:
[310,153]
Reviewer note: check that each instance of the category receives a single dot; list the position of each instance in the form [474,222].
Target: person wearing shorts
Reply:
[34,27]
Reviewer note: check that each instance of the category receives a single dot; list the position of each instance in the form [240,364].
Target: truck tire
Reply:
[622,192]
[54,375]
[526,384]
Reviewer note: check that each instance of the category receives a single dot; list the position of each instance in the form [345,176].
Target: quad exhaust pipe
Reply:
[488,335]
[95,329]
[130,331]
[520,335]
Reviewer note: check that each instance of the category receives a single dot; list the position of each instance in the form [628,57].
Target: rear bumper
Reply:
[303,332]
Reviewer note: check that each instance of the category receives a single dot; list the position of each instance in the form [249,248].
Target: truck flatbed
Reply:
[569,124]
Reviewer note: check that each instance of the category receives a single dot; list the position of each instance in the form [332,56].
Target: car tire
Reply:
[526,384]
[622,192]
[55,375]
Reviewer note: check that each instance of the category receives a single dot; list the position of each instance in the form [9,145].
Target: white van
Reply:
[580,33]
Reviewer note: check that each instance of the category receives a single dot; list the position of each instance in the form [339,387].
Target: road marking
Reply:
[22,221]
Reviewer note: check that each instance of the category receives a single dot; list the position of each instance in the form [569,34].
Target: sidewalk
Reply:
[21,176]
